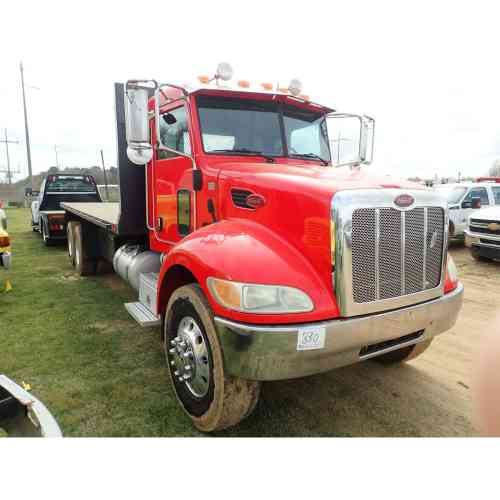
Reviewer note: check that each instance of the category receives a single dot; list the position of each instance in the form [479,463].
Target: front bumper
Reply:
[5,259]
[487,245]
[264,353]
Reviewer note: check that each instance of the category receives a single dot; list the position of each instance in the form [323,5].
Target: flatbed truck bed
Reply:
[105,215]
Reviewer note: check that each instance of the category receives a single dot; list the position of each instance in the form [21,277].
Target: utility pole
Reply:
[57,160]
[28,150]
[105,176]
[7,142]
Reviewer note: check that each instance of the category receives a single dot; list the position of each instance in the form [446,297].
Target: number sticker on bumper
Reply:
[312,337]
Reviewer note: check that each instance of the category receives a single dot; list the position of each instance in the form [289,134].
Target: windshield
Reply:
[453,194]
[244,126]
[73,184]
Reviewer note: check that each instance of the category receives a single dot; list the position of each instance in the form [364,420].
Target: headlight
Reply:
[259,299]
[452,270]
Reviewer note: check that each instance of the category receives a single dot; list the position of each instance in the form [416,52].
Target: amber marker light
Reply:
[244,84]
[204,79]
[226,292]
[267,86]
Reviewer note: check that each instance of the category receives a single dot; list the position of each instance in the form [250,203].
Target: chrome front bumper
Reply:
[6,259]
[270,352]
[475,239]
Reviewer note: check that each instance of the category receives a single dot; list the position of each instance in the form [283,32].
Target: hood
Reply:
[311,177]
[492,213]
[297,201]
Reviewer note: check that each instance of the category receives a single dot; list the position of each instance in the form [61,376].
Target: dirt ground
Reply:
[430,396]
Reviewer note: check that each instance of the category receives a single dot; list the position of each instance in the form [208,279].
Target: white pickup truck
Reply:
[482,235]
[465,199]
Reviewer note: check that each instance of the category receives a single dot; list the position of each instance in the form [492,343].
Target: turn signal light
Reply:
[4,241]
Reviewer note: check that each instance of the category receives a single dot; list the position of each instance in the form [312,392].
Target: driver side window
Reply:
[478,193]
[174,133]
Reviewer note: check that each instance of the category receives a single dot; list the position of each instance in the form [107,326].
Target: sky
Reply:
[427,72]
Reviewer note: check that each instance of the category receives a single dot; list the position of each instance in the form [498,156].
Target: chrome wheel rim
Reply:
[189,359]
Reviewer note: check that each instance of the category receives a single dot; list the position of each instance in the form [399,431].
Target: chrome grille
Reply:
[396,253]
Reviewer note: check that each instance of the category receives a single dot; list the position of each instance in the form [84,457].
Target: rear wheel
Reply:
[213,399]
[70,233]
[47,241]
[84,265]
[404,354]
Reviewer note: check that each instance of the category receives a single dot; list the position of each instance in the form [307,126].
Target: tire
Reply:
[45,234]
[211,398]
[476,255]
[404,354]
[70,234]
[84,266]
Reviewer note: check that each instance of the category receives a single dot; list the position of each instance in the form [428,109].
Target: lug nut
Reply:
[172,343]
[186,377]
[187,368]
[177,339]
[176,373]
[187,355]
[182,345]
[180,379]
[172,351]
[172,363]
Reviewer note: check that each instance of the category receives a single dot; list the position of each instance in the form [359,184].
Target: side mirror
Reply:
[139,150]
[351,138]
[367,139]
[476,203]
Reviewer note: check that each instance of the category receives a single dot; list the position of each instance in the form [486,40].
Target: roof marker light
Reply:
[244,84]
[295,87]
[304,97]
[204,79]
[224,71]
[267,86]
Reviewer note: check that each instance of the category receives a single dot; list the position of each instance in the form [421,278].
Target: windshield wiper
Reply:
[245,151]
[310,155]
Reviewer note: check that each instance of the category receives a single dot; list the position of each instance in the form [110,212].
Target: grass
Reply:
[98,372]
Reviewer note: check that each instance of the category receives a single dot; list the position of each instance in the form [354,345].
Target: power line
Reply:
[7,142]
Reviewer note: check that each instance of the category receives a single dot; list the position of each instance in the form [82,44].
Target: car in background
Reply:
[5,252]
[482,235]
[466,198]
[47,216]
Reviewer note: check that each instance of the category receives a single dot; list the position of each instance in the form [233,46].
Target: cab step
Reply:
[142,314]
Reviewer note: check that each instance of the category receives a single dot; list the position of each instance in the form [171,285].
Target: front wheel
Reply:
[404,354]
[213,399]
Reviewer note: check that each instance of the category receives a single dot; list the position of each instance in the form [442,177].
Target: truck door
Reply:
[172,188]
[475,192]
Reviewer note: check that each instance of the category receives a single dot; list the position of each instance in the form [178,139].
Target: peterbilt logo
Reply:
[494,226]
[404,200]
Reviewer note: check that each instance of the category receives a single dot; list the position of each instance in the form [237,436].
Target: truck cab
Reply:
[47,216]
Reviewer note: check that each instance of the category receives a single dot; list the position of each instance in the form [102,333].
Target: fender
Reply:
[243,250]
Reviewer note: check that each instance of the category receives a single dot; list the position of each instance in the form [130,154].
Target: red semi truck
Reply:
[259,244]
